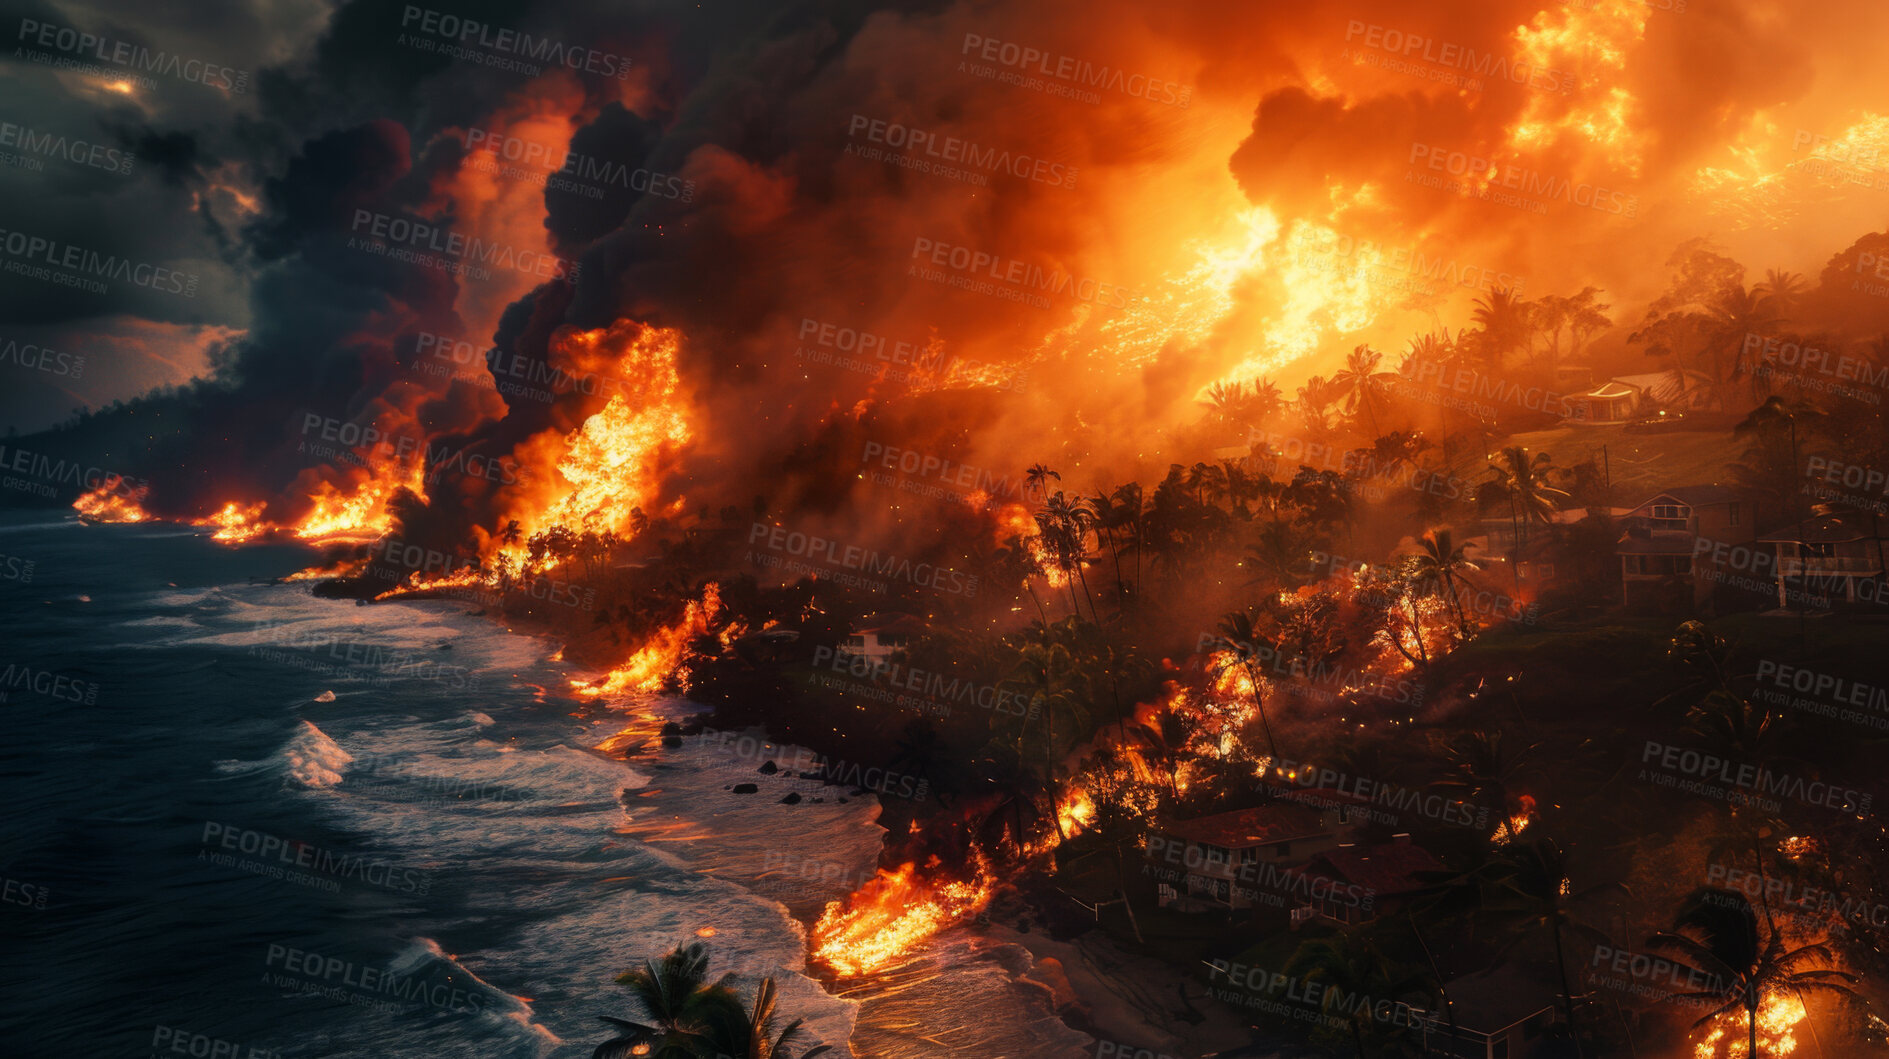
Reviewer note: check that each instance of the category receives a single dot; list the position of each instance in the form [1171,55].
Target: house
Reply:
[884,636]
[1501,1013]
[1832,560]
[1220,862]
[1623,397]
[1678,546]
[1362,882]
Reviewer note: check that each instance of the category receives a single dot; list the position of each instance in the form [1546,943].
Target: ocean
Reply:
[245,821]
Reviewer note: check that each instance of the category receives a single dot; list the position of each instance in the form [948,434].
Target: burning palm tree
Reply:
[1747,969]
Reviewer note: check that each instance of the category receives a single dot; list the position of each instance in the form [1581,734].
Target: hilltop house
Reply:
[1828,561]
[884,636]
[1248,858]
[1368,881]
[1501,1013]
[1623,397]
[1678,546]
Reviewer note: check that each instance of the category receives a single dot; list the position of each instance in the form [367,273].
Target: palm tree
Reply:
[1782,287]
[1438,561]
[1037,479]
[751,1034]
[1718,933]
[1349,966]
[1045,675]
[1362,384]
[678,998]
[1530,881]
[1735,315]
[1521,479]
[1484,770]
[1166,739]
[1238,638]
[1503,318]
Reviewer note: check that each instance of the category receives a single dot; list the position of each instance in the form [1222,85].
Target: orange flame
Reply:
[1778,1017]
[235,523]
[103,505]
[661,656]
[363,513]
[896,912]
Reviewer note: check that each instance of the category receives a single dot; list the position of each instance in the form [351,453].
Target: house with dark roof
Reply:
[1679,546]
[1504,1012]
[883,636]
[1246,858]
[1831,561]
[1358,883]
[1624,397]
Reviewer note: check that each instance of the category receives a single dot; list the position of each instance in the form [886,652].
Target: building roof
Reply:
[1663,386]
[1606,391]
[1828,529]
[1386,868]
[1493,1000]
[1695,495]
[1243,828]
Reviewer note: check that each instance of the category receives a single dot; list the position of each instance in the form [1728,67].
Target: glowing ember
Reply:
[235,523]
[1076,811]
[1726,1037]
[105,505]
[661,655]
[895,913]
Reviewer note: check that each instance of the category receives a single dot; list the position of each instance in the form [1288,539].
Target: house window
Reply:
[855,641]
[1732,514]
[1249,855]
[1215,854]
[1672,511]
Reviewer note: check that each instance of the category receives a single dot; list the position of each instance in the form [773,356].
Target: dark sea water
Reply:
[432,862]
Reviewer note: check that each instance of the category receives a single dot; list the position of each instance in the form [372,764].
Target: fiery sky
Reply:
[1209,191]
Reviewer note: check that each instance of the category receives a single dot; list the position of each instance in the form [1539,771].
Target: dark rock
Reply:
[768,768]
[673,742]
[745,788]
[793,798]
